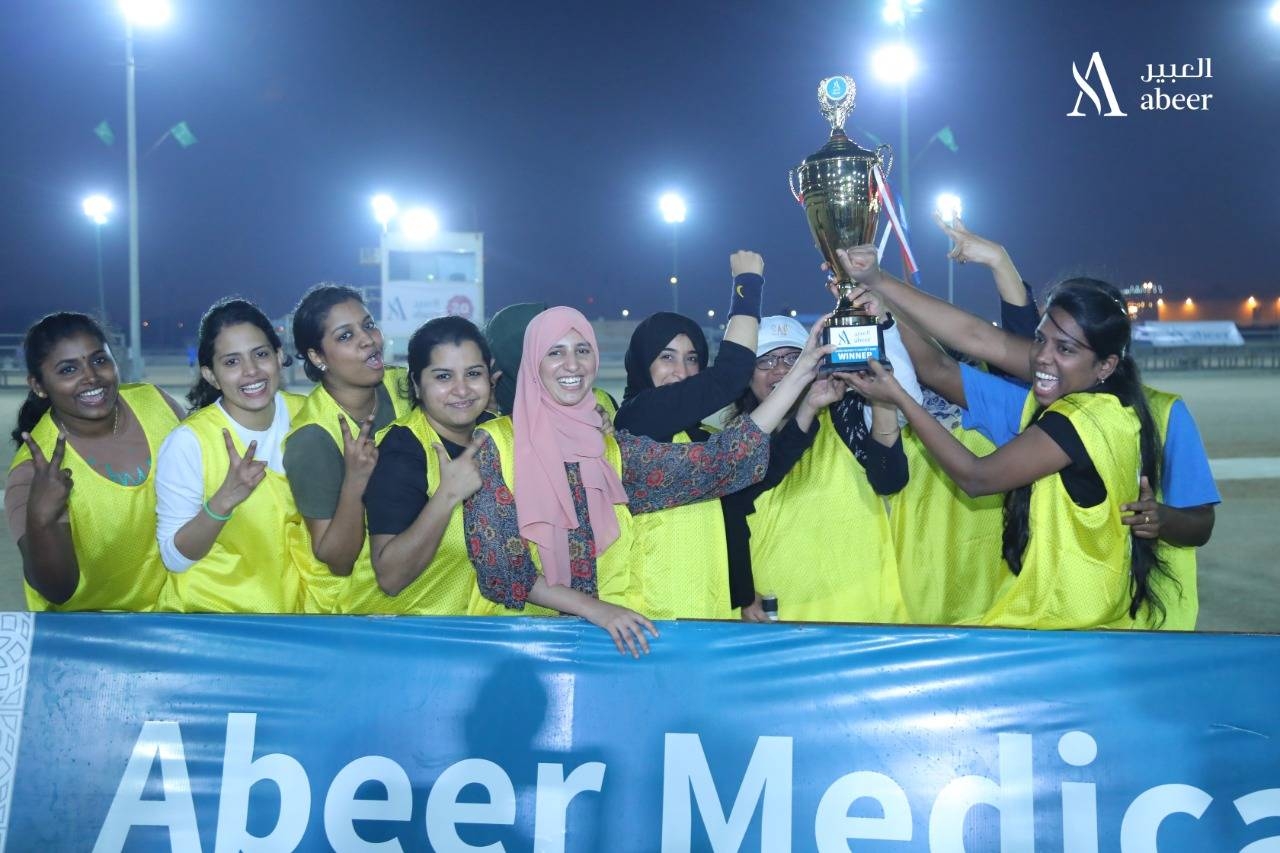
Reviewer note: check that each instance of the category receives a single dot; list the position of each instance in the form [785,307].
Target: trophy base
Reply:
[855,347]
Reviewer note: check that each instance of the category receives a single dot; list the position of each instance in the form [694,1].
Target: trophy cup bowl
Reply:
[837,188]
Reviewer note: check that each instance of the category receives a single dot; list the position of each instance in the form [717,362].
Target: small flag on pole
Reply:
[103,132]
[183,135]
[948,138]
[892,206]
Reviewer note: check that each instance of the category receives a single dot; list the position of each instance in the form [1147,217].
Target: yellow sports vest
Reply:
[613,567]
[603,398]
[325,592]
[1075,571]
[113,527]
[820,540]
[681,566]
[254,566]
[448,584]
[948,544]
[1177,589]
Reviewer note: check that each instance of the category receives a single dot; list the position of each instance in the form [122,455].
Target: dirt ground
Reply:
[1239,417]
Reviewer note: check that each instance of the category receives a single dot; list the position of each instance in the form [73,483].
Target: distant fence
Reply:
[1264,356]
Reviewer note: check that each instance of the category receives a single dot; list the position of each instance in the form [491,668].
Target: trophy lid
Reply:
[835,98]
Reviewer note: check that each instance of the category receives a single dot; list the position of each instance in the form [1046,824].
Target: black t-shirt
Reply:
[397,490]
[1081,478]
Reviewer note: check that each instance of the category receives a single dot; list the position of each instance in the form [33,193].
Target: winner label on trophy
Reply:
[838,193]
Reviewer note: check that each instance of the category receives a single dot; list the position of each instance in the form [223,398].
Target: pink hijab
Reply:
[548,435]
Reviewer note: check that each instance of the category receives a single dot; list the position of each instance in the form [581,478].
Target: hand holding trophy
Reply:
[842,206]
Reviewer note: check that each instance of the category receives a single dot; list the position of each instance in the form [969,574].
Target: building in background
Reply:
[425,278]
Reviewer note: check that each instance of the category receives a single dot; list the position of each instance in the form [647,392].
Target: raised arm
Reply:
[939,319]
[1028,457]
[49,561]
[196,535]
[336,541]
[661,412]
[967,246]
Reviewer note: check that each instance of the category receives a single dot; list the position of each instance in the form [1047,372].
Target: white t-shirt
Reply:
[179,476]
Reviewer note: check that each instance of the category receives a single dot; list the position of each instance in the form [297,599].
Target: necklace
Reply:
[373,412]
[115,423]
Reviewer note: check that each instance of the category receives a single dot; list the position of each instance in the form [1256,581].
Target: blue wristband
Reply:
[748,292]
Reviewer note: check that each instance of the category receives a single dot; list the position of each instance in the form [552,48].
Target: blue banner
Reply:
[202,733]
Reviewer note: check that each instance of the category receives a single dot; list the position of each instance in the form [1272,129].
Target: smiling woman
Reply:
[80,498]
[564,538]
[425,469]
[1084,447]
[229,531]
[330,453]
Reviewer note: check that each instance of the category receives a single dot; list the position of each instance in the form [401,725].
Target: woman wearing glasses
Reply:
[819,535]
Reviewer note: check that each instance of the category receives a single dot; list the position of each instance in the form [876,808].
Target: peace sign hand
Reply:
[51,483]
[969,246]
[359,454]
[243,476]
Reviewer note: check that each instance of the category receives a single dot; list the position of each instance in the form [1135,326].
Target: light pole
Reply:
[673,211]
[98,208]
[948,207]
[144,13]
[896,63]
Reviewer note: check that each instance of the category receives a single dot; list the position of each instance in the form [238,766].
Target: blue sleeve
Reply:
[1188,480]
[993,405]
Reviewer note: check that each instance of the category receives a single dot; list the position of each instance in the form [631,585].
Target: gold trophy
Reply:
[840,201]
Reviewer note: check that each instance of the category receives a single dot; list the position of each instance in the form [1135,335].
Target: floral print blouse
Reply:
[656,476]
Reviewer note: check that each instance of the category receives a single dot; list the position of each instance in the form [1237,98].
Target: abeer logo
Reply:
[1095,64]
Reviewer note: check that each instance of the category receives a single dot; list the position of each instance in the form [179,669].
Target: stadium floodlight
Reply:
[673,208]
[146,13]
[419,224]
[384,209]
[894,63]
[98,208]
[948,206]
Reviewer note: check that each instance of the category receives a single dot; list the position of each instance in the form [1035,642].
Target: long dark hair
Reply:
[41,338]
[309,319]
[231,311]
[442,330]
[1098,308]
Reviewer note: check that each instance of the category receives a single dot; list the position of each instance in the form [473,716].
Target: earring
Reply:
[322,367]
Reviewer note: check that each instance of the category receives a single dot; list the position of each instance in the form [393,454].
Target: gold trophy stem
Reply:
[844,303]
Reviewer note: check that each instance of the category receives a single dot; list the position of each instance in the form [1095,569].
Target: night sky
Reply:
[553,128]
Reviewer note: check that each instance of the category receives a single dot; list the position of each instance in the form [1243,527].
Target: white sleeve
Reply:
[179,493]
[903,370]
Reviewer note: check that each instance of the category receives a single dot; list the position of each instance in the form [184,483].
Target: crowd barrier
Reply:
[205,733]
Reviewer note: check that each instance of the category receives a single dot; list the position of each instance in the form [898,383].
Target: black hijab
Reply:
[650,338]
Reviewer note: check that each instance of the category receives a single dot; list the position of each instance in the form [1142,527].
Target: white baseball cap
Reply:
[780,331]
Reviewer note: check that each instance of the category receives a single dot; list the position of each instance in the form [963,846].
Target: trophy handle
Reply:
[795,191]
[884,155]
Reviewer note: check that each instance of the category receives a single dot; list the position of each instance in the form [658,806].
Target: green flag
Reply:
[948,138]
[183,135]
[103,132]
